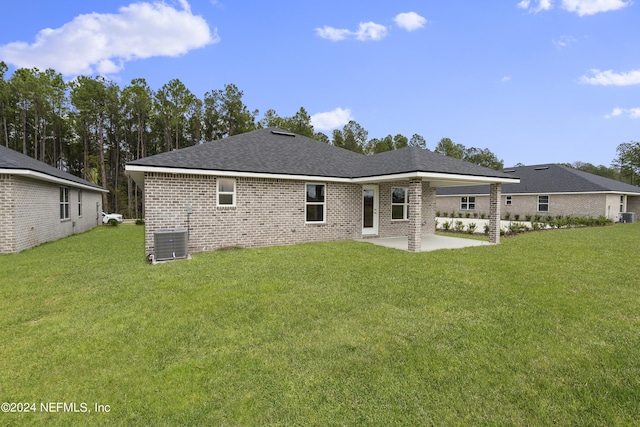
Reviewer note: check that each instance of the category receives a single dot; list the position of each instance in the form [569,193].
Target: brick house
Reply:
[271,187]
[547,190]
[39,203]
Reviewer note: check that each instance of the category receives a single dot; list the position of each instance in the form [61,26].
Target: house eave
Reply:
[137,173]
[558,193]
[437,179]
[49,178]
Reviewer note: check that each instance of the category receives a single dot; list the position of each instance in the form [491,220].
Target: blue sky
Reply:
[535,81]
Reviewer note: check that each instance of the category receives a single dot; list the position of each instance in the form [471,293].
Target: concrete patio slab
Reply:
[429,243]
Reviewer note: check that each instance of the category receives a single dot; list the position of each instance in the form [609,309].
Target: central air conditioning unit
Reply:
[170,244]
[628,217]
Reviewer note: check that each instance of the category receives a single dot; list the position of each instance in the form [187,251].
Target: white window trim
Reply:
[219,193]
[468,203]
[323,204]
[405,204]
[508,201]
[548,202]
[79,203]
[64,204]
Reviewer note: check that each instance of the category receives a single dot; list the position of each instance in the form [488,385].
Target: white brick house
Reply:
[547,190]
[271,187]
[39,203]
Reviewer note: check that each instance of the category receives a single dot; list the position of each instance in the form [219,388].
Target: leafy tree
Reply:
[483,157]
[5,103]
[353,137]
[89,97]
[226,115]
[376,145]
[400,141]
[173,103]
[628,161]
[417,141]
[447,147]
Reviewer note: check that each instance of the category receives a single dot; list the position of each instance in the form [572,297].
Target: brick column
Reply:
[429,209]
[495,193]
[415,215]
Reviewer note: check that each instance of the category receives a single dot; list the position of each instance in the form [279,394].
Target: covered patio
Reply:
[430,242]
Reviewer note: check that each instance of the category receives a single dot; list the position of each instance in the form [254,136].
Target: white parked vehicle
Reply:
[106,217]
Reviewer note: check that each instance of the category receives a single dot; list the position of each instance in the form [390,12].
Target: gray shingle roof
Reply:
[11,159]
[550,178]
[273,151]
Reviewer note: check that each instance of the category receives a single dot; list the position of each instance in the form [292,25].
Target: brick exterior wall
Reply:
[415,216]
[494,212]
[34,206]
[268,212]
[592,205]
[7,215]
[633,205]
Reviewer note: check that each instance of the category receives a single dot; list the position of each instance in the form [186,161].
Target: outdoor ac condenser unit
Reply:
[628,217]
[170,244]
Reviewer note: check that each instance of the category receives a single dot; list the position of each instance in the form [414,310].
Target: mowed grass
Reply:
[543,329]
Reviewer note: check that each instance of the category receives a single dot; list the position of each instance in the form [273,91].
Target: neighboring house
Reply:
[271,187]
[547,190]
[39,203]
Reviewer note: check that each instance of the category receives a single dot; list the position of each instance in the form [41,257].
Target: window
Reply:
[315,202]
[621,203]
[64,203]
[399,203]
[543,203]
[467,203]
[79,203]
[226,192]
[507,200]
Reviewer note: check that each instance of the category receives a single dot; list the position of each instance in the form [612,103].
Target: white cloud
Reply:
[370,31]
[579,7]
[591,7]
[331,119]
[104,42]
[333,34]
[609,78]
[564,41]
[410,21]
[505,79]
[539,5]
[632,113]
[366,31]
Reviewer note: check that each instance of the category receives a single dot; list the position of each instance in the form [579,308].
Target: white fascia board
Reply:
[454,179]
[132,169]
[571,193]
[49,178]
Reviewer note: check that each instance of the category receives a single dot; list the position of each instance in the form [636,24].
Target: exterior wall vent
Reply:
[628,217]
[170,244]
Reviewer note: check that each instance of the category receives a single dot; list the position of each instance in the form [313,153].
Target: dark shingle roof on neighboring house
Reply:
[12,160]
[273,151]
[550,178]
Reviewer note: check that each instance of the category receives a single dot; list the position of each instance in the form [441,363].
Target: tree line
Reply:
[91,127]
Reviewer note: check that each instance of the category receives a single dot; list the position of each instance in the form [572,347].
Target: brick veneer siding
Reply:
[593,205]
[7,215]
[415,216]
[633,205]
[494,212]
[268,212]
[33,212]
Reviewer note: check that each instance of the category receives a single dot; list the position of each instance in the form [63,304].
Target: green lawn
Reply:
[543,329]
